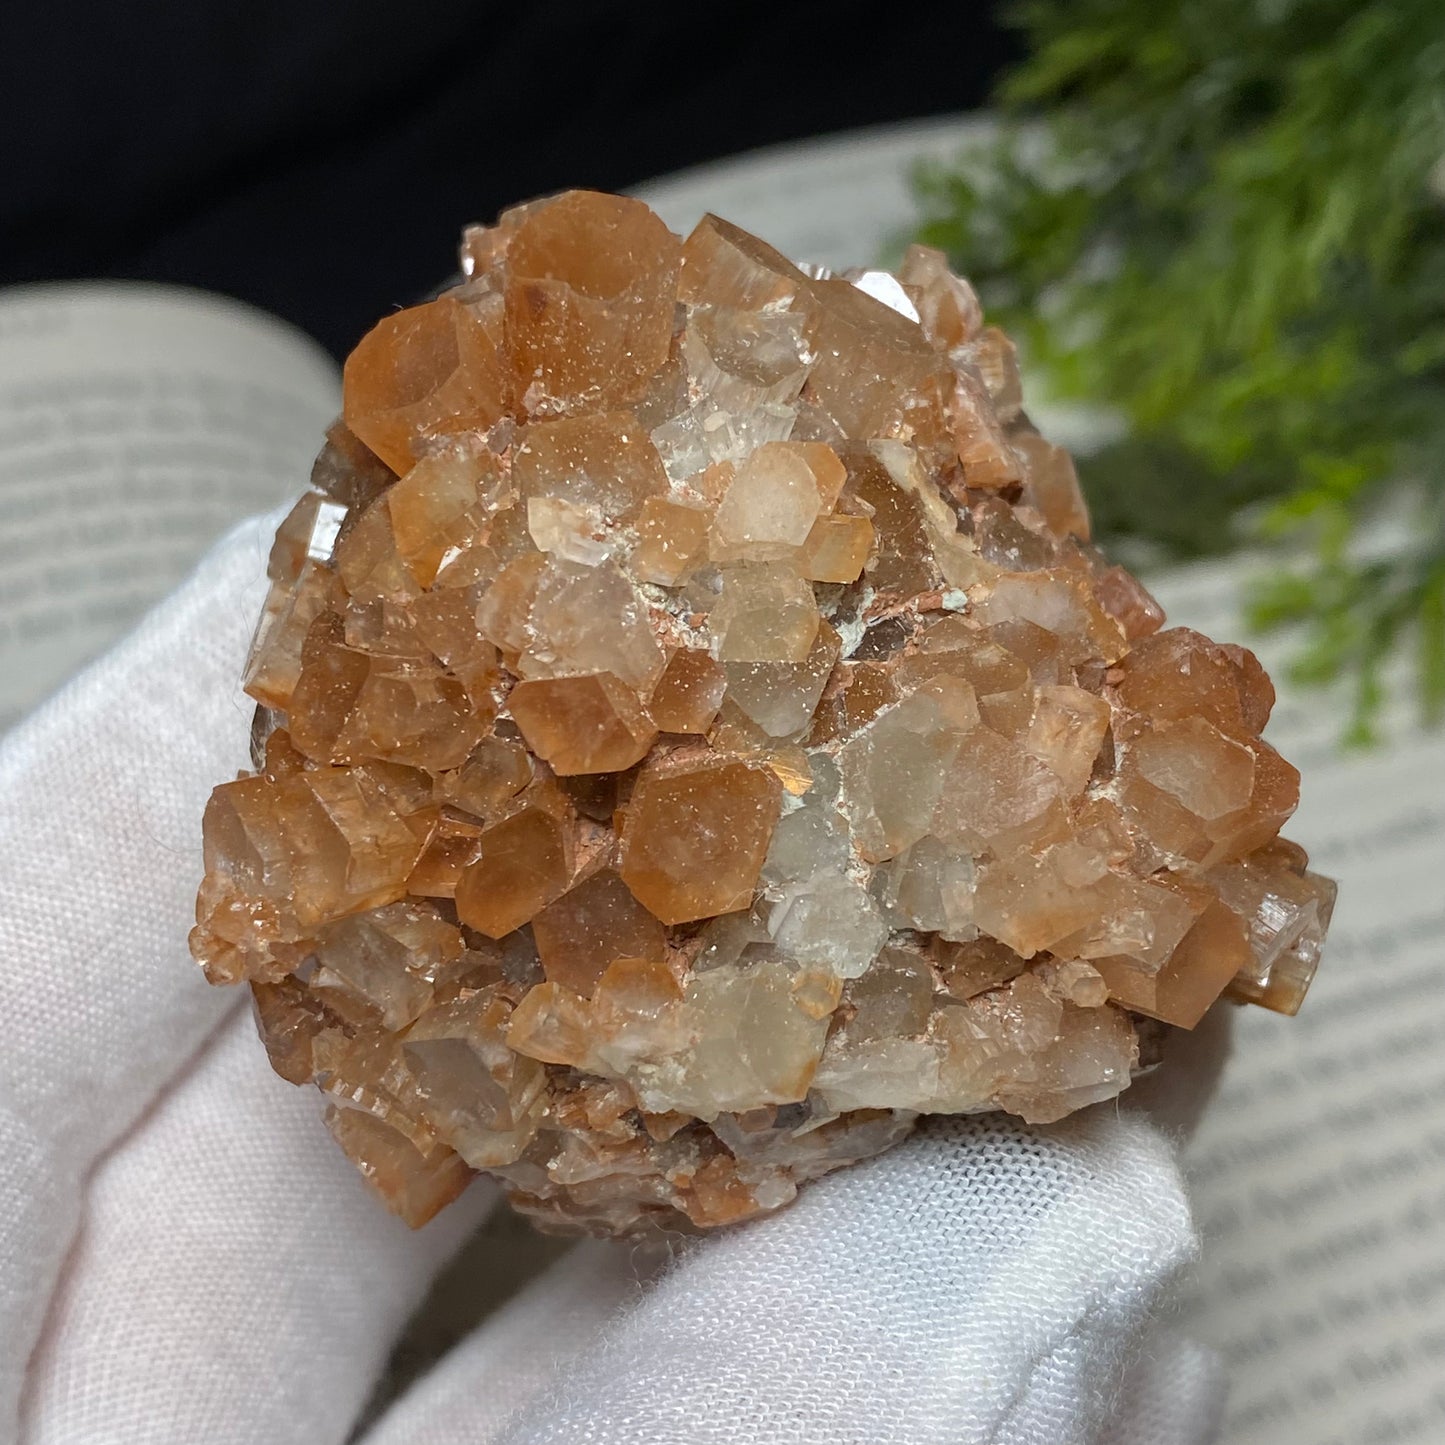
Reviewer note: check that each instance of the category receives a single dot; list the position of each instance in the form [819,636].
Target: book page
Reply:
[840,201]
[137,423]
[1317,1172]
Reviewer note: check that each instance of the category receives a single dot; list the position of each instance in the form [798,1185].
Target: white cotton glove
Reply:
[186,1256]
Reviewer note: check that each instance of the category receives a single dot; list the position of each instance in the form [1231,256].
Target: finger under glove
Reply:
[487,1379]
[235,1280]
[101,794]
[983,1283]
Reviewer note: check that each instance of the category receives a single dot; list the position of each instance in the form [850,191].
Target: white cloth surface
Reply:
[185,1256]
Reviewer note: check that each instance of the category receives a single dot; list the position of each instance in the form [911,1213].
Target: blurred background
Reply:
[1229,239]
[317,159]
[1217,227]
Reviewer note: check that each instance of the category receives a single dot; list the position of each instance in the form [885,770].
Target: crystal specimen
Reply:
[697,740]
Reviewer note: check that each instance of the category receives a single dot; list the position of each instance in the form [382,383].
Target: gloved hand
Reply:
[185,1255]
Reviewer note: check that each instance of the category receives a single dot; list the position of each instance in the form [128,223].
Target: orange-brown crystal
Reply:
[429,372]
[590,927]
[693,838]
[591,724]
[521,864]
[697,739]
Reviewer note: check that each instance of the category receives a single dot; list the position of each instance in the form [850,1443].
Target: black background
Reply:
[317,157]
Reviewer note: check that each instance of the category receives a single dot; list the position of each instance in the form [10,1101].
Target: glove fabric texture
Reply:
[186,1256]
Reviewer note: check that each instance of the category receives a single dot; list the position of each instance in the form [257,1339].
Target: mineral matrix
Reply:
[697,739]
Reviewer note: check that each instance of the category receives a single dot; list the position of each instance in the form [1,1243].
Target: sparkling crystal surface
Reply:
[698,739]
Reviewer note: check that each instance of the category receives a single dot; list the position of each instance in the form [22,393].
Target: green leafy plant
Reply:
[1226,219]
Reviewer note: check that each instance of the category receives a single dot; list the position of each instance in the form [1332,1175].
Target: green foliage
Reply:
[1225,219]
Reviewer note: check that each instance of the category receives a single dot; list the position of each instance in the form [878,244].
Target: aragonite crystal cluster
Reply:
[697,739]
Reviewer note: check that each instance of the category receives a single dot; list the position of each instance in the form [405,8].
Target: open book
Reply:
[138,422]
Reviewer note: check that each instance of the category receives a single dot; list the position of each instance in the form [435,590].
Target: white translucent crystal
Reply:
[929,888]
[828,920]
[754,1044]
[884,286]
